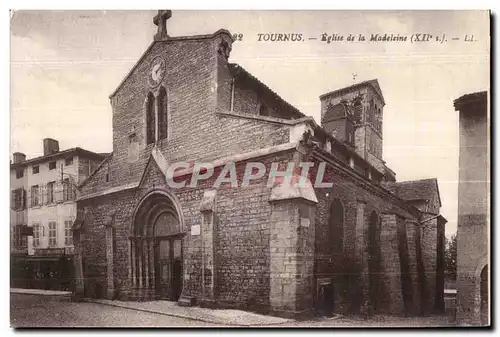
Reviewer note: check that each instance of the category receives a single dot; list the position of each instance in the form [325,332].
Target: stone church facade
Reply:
[366,244]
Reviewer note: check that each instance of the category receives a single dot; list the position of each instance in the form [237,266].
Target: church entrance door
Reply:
[168,257]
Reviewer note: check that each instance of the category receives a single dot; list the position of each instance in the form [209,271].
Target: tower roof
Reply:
[370,83]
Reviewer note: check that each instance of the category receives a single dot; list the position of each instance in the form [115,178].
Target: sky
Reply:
[64,65]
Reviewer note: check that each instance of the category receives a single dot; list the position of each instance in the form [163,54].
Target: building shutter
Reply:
[58,192]
[41,198]
[26,230]
[43,194]
[23,198]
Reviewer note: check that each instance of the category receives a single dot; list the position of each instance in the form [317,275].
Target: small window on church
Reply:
[150,119]
[379,120]
[305,215]
[263,110]
[107,173]
[207,218]
[351,137]
[371,111]
[162,114]
[133,148]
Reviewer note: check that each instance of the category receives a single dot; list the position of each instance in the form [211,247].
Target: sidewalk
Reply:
[40,292]
[218,316]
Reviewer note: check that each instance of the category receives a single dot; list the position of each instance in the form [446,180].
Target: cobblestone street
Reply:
[40,311]
[375,322]
[36,311]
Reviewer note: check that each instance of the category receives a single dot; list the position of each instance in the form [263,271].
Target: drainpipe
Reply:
[202,257]
[232,94]
[365,150]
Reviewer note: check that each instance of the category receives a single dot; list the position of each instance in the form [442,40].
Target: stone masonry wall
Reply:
[284,236]
[94,241]
[353,289]
[428,231]
[391,266]
[474,212]
[472,258]
[292,257]
[305,256]
[405,275]
[412,256]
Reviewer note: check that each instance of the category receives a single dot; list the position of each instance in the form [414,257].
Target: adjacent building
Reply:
[43,199]
[365,244]
[473,258]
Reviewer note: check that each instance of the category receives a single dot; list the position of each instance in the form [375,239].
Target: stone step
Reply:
[186,301]
[142,295]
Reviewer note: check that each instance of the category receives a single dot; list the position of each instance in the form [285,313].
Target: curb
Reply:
[164,313]
[41,292]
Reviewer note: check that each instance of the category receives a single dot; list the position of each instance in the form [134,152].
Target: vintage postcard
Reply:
[323,168]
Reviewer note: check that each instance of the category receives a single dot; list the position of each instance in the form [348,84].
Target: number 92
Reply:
[237,37]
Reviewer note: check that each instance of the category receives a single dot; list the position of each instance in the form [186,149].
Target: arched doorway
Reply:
[156,248]
[374,259]
[483,290]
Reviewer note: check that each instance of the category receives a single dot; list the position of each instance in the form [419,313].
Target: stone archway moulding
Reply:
[175,202]
[482,262]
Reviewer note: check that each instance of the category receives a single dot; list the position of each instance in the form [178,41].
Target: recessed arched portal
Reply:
[156,247]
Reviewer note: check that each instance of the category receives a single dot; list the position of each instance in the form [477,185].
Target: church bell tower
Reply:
[354,115]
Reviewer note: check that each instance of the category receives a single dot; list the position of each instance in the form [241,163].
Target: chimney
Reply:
[50,146]
[18,157]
